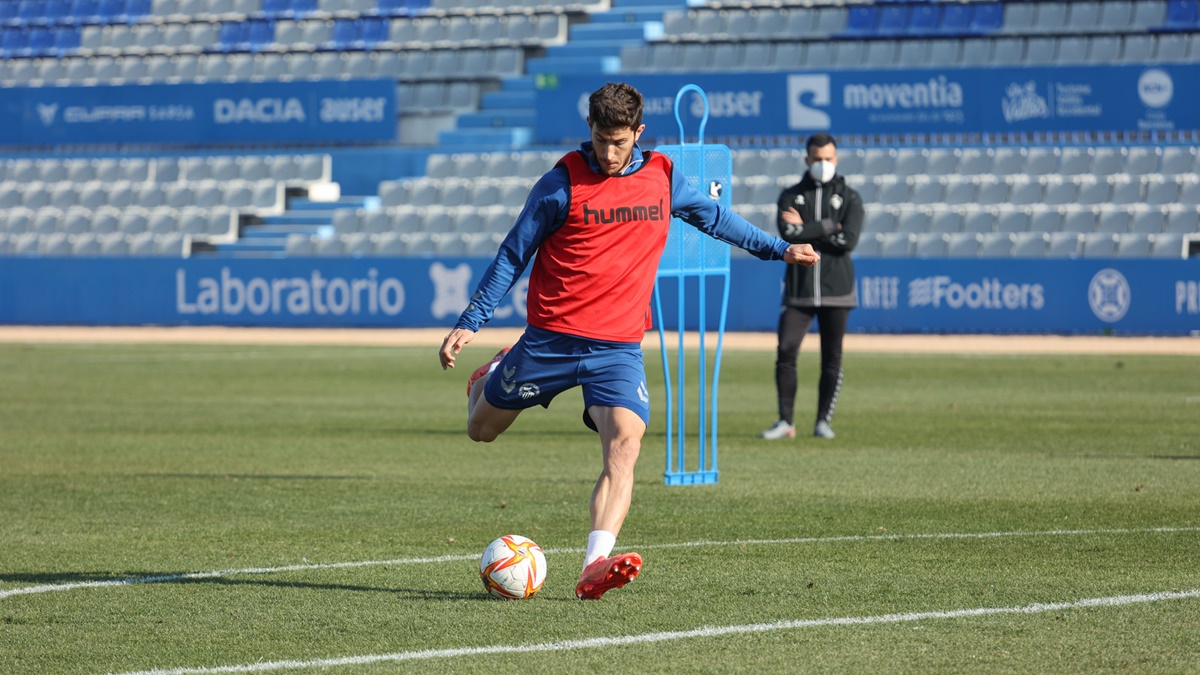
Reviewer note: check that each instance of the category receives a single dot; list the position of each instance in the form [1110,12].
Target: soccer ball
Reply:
[512,567]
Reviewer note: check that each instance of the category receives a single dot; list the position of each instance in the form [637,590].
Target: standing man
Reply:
[823,211]
[598,223]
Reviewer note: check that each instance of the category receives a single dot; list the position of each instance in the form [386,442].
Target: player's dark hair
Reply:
[819,140]
[616,105]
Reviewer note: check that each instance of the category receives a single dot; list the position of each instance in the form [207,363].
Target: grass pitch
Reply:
[322,506]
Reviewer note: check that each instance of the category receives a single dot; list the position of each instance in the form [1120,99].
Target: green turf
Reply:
[134,461]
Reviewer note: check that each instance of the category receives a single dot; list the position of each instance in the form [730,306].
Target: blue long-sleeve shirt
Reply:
[546,210]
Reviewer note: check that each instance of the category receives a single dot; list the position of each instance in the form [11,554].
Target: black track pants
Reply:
[794,323]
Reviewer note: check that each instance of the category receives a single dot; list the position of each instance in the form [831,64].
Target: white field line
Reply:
[667,636]
[51,588]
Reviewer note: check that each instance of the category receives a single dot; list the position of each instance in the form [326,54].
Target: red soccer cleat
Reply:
[605,574]
[485,369]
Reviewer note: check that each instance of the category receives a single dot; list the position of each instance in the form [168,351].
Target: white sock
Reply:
[600,544]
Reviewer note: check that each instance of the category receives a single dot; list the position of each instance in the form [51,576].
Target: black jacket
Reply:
[833,232]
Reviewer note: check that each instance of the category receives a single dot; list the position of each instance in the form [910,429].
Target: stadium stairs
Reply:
[506,117]
[267,236]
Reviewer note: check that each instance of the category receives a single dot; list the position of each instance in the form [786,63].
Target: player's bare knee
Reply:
[481,433]
[623,453]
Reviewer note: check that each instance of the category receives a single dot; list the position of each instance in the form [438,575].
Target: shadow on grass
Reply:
[178,578]
[251,476]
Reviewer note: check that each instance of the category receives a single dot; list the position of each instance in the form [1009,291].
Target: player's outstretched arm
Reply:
[801,254]
[453,344]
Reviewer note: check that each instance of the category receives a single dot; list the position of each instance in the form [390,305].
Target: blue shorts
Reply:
[544,364]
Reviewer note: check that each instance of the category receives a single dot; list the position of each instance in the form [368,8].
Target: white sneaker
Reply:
[779,430]
[823,430]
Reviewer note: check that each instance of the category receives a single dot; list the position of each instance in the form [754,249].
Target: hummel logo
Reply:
[507,386]
[643,392]
[47,111]
[509,372]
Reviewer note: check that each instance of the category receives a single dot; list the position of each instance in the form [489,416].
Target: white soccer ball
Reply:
[512,567]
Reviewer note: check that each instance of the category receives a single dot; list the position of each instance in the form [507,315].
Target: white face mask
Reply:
[822,171]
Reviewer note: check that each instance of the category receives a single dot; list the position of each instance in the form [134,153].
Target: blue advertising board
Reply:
[931,101]
[1132,297]
[200,113]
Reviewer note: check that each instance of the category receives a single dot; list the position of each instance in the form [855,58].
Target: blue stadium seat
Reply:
[137,9]
[277,9]
[954,19]
[987,18]
[893,21]
[85,11]
[1182,15]
[393,7]
[66,39]
[31,12]
[925,20]
[260,34]
[12,42]
[861,21]
[373,31]
[41,42]
[58,11]
[346,35]
[111,11]
[8,13]
[234,37]
[302,8]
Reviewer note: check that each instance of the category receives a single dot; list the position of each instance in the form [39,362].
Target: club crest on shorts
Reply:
[528,390]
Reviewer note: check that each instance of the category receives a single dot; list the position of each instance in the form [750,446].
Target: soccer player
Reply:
[598,223]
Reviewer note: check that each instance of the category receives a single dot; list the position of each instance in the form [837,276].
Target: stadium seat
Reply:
[357,245]
[1133,245]
[867,246]
[928,192]
[962,245]
[1183,221]
[974,162]
[1040,161]
[1026,194]
[1148,221]
[376,222]
[1099,245]
[994,244]
[1177,160]
[1025,245]
[1040,51]
[1063,244]
[1161,192]
[1104,50]
[1147,15]
[929,245]
[1079,221]
[946,222]
[1012,221]
[895,192]
[1040,221]
[85,245]
[895,244]
[1167,245]
[1060,194]
[1075,161]
[893,20]
[861,21]
[1182,15]
[988,18]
